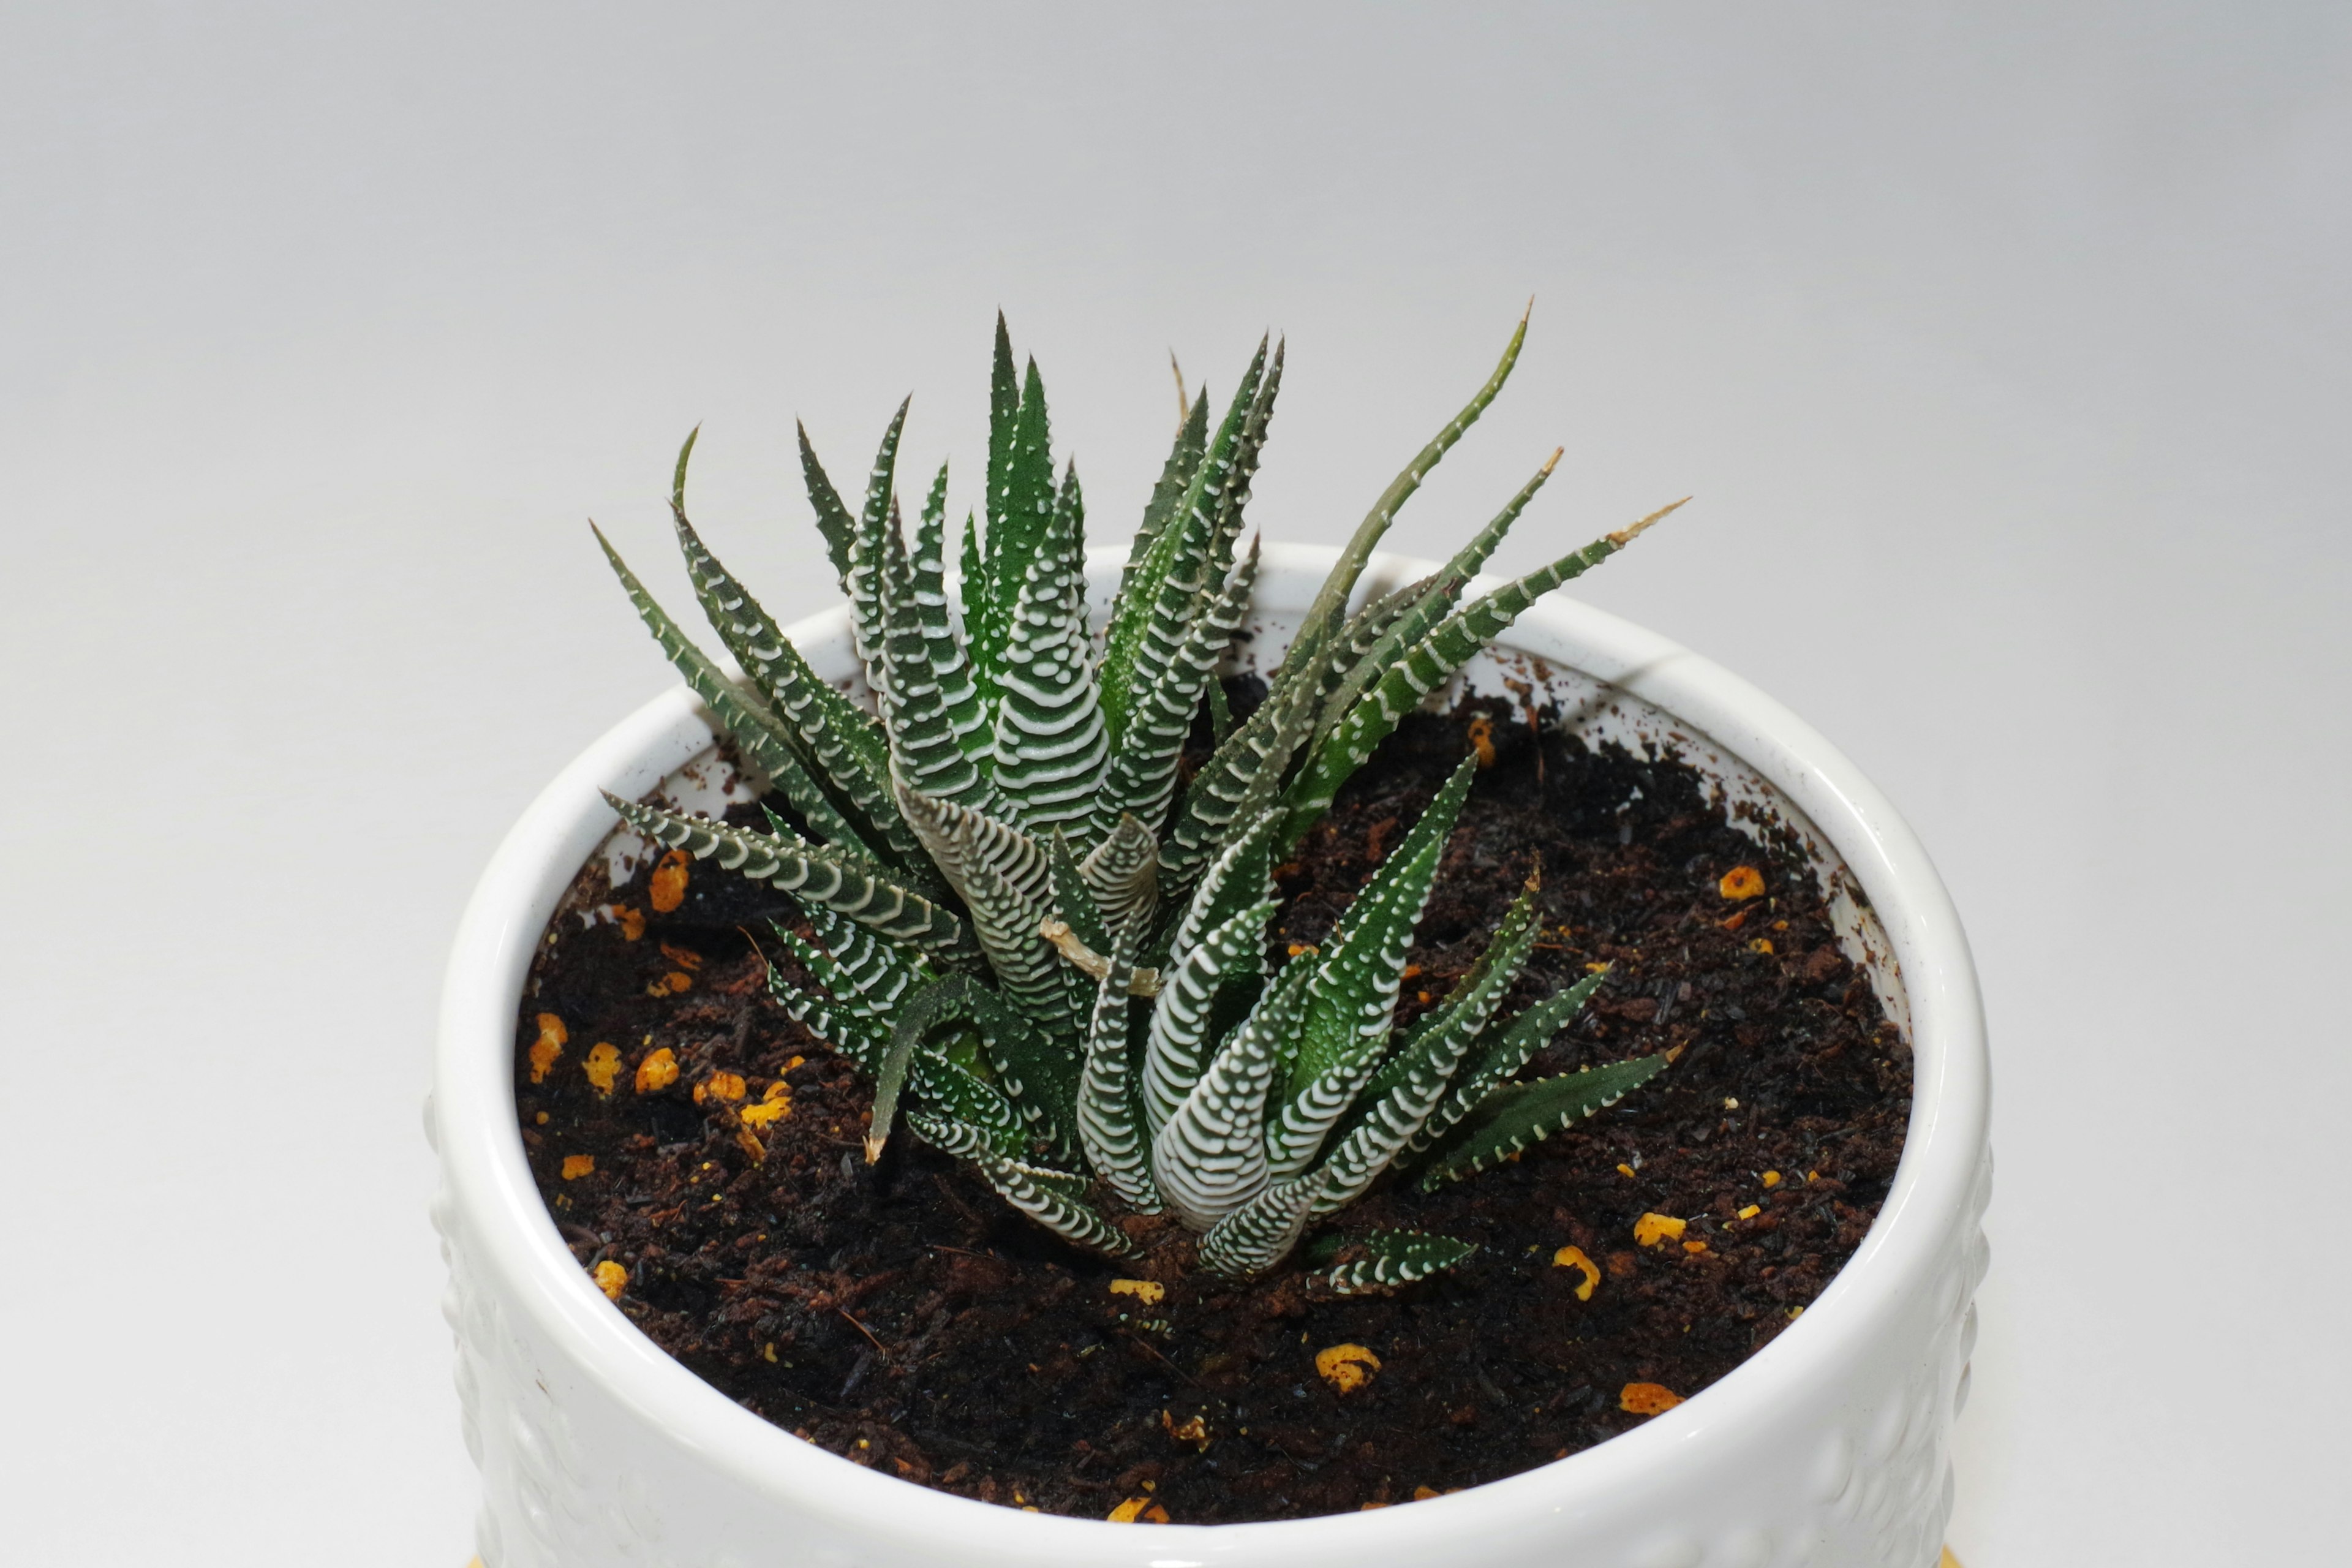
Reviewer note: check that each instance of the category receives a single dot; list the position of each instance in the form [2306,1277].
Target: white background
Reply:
[2005,350]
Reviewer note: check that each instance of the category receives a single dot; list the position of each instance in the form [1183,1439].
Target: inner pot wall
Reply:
[1829,1446]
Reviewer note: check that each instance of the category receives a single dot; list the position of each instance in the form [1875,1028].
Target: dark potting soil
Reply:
[904,1317]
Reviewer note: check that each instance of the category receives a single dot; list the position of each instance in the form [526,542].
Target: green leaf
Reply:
[1516,1115]
[1394,1258]
[1180,1023]
[1043,1194]
[1428,603]
[1352,1004]
[1050,746]
[1005,879]
[764,739]
[1258,1235]
[1427,666]
[1324,616]
[1499,1054]
[833,519]
[1240,777]
[1141,777]
[1210,1156]
[1397,1103]
[958,693]
[1175,478]
[1122,873]
[876,530]
[846,884]
[1174,579]
[1109,1130]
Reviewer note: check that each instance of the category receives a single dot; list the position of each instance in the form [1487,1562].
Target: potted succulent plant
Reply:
[1041,937]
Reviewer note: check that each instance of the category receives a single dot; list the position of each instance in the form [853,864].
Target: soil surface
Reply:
[904,1317]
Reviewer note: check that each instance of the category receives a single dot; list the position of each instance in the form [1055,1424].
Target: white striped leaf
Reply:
[1329,608]
[1180,1022]
[1039,1192]
[1501,1052]
[840,882]
[1210,1156]
[1108,1130]
[1517,1114]
[1428,665]
[1394,1258]
[1258,1235]
[1050,745]
[1398,1101]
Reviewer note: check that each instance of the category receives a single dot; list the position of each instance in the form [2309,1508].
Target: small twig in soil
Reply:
[862,1329]
[1154,1351]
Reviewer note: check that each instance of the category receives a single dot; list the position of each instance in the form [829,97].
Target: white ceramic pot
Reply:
[1829,1446]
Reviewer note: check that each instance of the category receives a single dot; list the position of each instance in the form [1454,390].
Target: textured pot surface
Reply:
[1829,1446]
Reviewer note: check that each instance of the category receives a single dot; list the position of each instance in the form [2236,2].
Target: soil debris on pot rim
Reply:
[688,1134]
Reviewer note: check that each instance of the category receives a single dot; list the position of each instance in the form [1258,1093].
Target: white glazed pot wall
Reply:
[1828,1448]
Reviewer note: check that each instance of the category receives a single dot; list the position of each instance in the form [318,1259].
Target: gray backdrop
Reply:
[2003,347]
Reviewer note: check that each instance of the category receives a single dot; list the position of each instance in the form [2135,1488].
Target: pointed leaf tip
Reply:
[677,480]
[1634,531]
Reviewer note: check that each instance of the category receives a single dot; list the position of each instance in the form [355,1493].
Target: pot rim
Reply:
[472,1121]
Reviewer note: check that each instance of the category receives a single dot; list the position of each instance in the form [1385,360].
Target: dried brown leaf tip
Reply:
[1574,1258]
[1655,1229]
[603,1066]
[547,1047]
[1138,1510]
[1741,882]
[658,1071]
[611,1278]
[665,889]
[1346,1367]
[1648,1398]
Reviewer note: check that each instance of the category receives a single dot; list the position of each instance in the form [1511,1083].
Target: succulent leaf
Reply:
[1173,581]
[1243,773]
[1142,775]
[1108,1124]
[1180,1023]
[1329,608]
[1242,875]
[840,882]
[1210,1156]
[845,745]
[1122,872]
[875,530]
[1352,1006]
[1005,879]
[1050,745]
[1427,602]
[1428,665]
[1516,1114]
[1414,1080]
[765,742]
[1396,1258]
[1500,1053]
[1255,1236]
[958,693]
[1175,478]
[1042,1194]
[833,519]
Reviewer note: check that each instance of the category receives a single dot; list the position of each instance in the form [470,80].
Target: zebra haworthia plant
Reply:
[1046,947]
